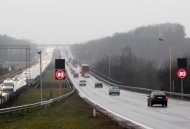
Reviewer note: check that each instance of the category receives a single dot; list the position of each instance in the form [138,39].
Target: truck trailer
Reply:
[85,70]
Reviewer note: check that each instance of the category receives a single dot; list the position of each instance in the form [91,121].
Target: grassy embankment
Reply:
[72,113]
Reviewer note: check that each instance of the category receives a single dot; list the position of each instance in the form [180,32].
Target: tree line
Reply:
[138,58]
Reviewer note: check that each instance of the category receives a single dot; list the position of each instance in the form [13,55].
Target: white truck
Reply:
[7,87]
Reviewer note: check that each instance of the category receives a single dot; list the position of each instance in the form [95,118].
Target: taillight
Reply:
[166,97]
[152,97]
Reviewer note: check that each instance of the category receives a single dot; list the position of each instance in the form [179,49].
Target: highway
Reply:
[133,106]
[33,71]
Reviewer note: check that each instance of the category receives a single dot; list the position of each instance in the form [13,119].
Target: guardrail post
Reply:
[94,112]
[1,102]
[10,114]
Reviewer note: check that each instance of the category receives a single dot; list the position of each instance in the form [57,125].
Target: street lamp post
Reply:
[109,65]
[40,72]
[170,54]
[170,63]
[8,59]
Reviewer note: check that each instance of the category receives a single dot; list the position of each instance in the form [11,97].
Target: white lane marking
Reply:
[163,112]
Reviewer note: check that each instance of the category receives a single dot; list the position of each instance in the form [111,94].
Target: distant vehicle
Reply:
[87,75]
[76,75]
[16,79]
[7,87]
[85,70]
[75,66]
[157,97]
[75,63]
[98,85]
[70,60]
[25,72]
[82,83]
[114,90]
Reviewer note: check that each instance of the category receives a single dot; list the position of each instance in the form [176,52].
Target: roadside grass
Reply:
[72,113]
[33,95]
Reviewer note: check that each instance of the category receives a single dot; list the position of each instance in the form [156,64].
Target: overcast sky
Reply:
[76,21]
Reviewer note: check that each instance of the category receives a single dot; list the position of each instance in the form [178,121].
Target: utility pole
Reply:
[170,64]
[40,53]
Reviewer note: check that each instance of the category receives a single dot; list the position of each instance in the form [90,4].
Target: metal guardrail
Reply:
[38,104]
[106,77]
[139,88]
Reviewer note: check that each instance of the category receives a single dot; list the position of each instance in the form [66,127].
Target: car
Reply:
[157,97]
[16,79]
[98,85]
[82,83]
[76,75]
[75,66]
[87,75]
[114,90]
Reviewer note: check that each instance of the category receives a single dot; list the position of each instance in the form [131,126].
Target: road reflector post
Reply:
[94,112]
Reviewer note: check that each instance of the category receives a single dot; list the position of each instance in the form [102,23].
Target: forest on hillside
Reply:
[139,57]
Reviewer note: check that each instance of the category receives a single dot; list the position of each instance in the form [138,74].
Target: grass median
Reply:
[50,89]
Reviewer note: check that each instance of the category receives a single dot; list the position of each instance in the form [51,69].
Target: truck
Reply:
[7,87]
[85,70]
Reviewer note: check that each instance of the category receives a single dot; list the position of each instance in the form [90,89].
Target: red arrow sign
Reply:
[182,73]
[60,74]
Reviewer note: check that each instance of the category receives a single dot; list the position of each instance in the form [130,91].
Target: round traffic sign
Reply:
[59,74]
[182,73]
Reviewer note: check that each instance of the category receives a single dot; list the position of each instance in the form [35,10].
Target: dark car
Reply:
[98,85]
[157,97]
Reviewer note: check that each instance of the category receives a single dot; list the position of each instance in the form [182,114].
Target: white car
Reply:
[87,75]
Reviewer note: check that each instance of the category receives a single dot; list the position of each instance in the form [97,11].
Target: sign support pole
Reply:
[182,74]
[60,86]
[182,88]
